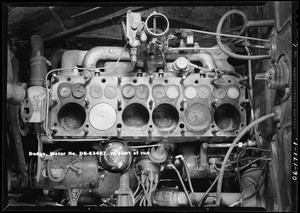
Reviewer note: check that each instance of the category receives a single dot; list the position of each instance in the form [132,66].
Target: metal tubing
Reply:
[222,46]
[15,94]
[261,23]
[38,68]
[104,53]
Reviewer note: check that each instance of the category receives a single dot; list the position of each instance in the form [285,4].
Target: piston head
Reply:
[165,116]
[135,116]
[227,117]
[71,116]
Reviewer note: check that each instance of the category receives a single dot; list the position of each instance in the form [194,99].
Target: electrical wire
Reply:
[239,160]
[240,199]
[183,186]
[188,176]
[236,140]
[145,192]
[257,159]
[218,34]
[145,146]
[116,63]
[206,193]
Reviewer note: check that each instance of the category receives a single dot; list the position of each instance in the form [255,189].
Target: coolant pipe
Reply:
[38,66]
[206,59]
[70,59]
[104,53]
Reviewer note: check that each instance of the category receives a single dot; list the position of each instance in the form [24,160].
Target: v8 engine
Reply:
[157,118]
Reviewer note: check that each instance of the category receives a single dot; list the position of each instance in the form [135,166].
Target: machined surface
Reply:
[138,107]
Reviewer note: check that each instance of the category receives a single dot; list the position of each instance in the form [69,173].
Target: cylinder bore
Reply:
[165,116]
[135,116]
[71,116]
[227,117]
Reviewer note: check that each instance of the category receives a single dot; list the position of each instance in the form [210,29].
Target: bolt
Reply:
[213,103]
[139,73]
[150,132]
[213,82]
[111,51]
[119,80]
[241,81]
[182,103]
[150,104]
[54,130]
[86,131]
[161,73]
[214,131]
[118,131]
[151,79]
[54,101]
[119,102]
[182,132]
[87,102]
[278,125]
[79,171]
[87,75]
[54,78]
[244,102]
[182,79]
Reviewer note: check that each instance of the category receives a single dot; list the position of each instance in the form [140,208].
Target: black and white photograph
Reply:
[150,106]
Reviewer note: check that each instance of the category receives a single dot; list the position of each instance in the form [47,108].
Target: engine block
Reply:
[151,109]
[146,108]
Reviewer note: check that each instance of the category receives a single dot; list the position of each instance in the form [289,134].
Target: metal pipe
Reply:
[104,53]
[85,12]
[38,68]
[15,93]
[261,23]
[222,46]
[72,58]
[206,59]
